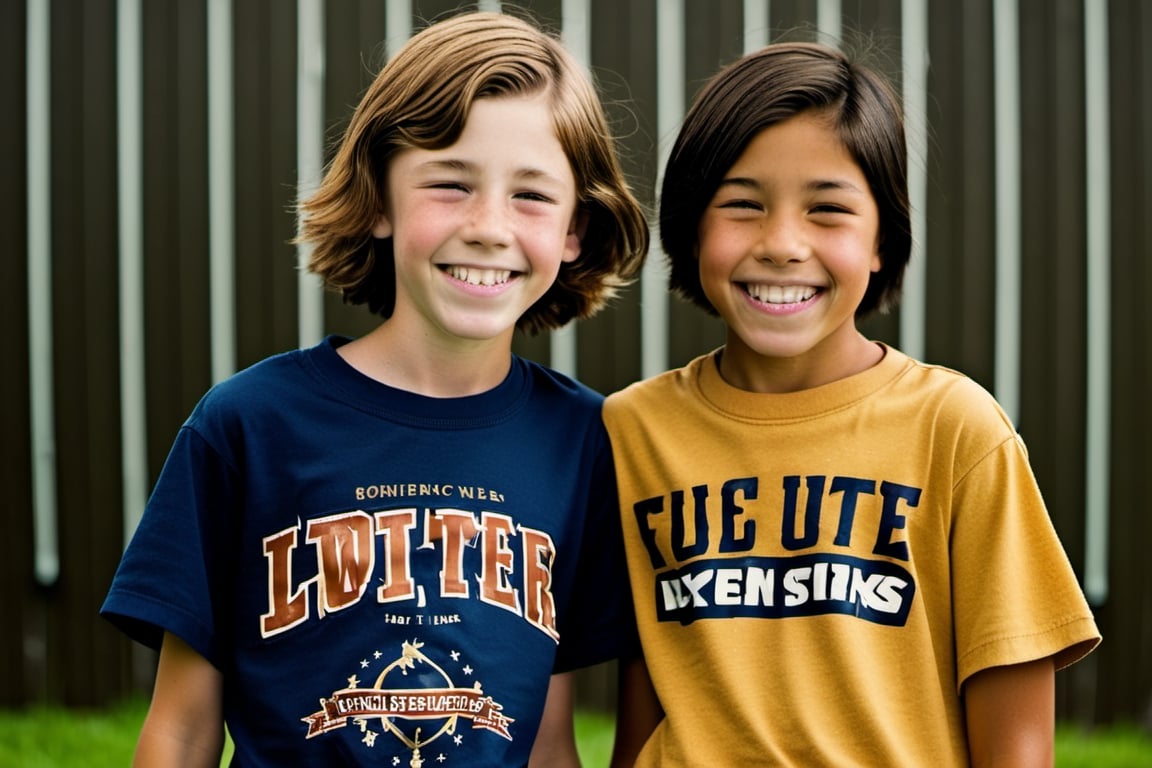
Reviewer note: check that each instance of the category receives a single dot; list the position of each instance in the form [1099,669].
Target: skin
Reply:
[497,208]
[479,230]
[786,247]
[555,745]
[184,727]
[1010,713]
[638,712]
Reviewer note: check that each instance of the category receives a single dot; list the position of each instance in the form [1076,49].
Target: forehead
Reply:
[505,124]
[807,143]
[509,133]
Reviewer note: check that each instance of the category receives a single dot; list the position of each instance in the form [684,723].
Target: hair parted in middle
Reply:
[421,99]
[762,89]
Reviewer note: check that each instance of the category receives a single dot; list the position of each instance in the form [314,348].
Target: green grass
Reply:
[1121,746]
[58,738]
[594,738]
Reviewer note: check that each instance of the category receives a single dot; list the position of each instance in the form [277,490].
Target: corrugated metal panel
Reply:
[244,117]
[17,566]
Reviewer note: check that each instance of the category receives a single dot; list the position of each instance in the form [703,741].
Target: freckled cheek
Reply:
[419,240]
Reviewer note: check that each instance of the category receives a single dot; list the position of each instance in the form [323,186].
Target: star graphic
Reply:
[468,669]
[395,761]
[363,663]
[377,655]
[353,682]
[370,738]
[458,739]
[455,655]
[441,758]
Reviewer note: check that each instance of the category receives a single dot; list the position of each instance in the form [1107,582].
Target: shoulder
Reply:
[656,391]
[949,408]
[953,394]
[264,386]
[550,384]
[273,371]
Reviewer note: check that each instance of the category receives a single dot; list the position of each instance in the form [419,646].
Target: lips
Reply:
[780,294]
[474,276]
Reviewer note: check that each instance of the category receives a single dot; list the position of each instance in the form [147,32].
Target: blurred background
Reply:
[154,149]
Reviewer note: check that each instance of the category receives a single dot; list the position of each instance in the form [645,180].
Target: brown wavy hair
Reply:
[762,89]
[421,98]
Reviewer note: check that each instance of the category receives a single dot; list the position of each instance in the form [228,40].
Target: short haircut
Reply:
[765,88]
[421,99]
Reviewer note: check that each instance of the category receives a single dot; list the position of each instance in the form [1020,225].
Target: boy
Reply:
[393,549]
[838,554]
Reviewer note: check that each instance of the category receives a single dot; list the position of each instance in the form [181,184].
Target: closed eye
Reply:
[740,203]
[537,197]
[830,208]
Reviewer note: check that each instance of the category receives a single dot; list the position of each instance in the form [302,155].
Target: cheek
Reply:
[714,265]
[852,256]
[717,253]
[549,243]
[417,235]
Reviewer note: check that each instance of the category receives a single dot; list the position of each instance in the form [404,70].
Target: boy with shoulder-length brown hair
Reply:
[424,104]
[396,548]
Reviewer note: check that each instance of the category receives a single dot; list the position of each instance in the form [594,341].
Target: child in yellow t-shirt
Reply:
[838,554]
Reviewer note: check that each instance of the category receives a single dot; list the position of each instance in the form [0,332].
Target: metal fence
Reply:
[154,148]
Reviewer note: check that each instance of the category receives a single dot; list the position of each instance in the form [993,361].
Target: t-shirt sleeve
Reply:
[595,628]
[170,575]
[1016,598]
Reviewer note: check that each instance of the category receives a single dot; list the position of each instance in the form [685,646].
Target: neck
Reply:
[436,370]
[746,369]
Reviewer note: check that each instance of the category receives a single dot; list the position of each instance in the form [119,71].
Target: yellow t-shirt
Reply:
[817,573]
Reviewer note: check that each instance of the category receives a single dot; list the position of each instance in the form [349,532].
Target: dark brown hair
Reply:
[421,98]
[765,88]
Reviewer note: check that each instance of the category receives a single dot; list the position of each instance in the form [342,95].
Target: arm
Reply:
[184,725]
[638,712]
[1010,712]
[555,745]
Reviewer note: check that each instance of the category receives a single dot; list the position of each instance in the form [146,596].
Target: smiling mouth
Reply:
[780,294]
[484,277]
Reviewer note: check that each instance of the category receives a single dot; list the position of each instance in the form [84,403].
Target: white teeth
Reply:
[480,276]
[780,294]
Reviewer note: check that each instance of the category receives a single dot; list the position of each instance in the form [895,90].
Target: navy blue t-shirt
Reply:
[376,572]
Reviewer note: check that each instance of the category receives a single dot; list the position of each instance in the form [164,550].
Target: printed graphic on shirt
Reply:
[332,563]
[410,707]
[841,550]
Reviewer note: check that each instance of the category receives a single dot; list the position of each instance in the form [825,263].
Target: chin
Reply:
[776,348]
[486,329]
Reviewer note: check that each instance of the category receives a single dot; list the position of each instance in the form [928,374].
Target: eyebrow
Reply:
[463,166]
[816,185]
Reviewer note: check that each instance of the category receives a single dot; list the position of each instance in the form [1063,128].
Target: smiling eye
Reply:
[535,197]
[829,208]
[740,203]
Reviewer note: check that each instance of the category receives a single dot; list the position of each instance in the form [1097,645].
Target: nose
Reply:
[781,240]
[488,222]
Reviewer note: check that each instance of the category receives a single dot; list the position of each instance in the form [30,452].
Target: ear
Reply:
[573,242]
[382,228]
